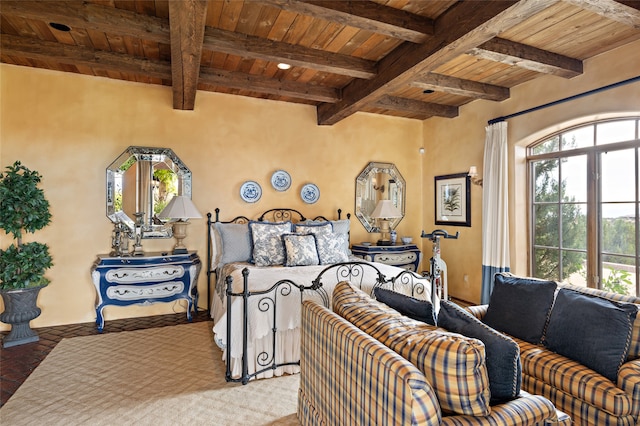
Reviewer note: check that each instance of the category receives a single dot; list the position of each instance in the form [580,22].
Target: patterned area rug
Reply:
[162,376]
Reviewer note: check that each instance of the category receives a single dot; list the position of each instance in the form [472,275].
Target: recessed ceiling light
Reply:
[59,27]
[428,91]
[284,66]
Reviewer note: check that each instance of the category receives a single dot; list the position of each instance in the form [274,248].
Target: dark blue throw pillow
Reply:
[594,331]
[420,310]
[520,306]
[502,352]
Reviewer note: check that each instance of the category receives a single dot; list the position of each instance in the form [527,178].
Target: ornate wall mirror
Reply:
[141,181]
[378,181]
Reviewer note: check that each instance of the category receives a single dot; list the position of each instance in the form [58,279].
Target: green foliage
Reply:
[167,184]
[23,208]
[452,200]
[618,281]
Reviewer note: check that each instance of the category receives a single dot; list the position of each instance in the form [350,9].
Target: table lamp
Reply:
[180,209]
[384,211]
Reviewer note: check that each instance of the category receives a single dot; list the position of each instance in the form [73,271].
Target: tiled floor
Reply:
[17,362]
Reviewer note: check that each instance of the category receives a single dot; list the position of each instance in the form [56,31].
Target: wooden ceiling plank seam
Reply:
[627,13]
[529,57]
[187,23]
[463,27]
[281,25]
[249,17]
[367,16]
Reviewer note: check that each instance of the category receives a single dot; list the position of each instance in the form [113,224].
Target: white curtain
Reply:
[495,203]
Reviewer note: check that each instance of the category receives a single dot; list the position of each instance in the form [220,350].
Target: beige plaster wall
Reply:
[452,145]
[71,127]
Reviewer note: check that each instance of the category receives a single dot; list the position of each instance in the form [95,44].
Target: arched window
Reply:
[585,205]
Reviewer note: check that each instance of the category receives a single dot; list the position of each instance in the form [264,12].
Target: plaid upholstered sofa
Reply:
[579,347]
[366,364]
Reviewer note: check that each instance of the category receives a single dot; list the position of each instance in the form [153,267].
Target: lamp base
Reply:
[384,243]
[180,250]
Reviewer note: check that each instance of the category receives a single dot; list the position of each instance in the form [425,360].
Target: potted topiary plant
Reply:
[23,208]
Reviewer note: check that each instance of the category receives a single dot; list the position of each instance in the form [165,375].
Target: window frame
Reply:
[594,190]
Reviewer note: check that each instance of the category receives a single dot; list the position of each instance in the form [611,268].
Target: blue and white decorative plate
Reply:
[310,193]
[250,191]
[280,180]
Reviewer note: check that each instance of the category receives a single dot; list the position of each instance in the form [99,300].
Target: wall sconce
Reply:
[376,187]
[473,174]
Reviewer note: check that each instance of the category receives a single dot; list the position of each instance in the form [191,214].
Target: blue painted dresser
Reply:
[143,280]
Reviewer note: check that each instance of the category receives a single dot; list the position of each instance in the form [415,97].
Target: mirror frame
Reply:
[365,184]
[124,161]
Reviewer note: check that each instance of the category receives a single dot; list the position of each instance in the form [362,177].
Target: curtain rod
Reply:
[567,99]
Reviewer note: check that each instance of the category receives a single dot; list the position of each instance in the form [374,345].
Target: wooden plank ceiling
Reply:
[407,58]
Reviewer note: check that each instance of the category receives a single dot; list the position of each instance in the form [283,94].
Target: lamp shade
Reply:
[180,207]
[385,210]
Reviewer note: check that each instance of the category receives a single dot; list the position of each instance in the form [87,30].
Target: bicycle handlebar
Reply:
[436,233]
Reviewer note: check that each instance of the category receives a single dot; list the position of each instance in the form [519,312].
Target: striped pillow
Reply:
[454,365]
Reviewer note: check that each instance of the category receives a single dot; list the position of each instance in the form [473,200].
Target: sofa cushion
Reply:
[503,353]
[420,310]
[594,331]
[454,365]
[520,306]
[634,349]
[541,365]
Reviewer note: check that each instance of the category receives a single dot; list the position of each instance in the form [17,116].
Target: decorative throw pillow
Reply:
[268,249]
[300,250]
[503,353]
[454,365]
[520,306]
[343,227]
[420,310]
[331,248]
[594,331]
[236,242]
[313,228]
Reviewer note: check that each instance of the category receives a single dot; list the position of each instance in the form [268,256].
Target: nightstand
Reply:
[405,256]
[143,280]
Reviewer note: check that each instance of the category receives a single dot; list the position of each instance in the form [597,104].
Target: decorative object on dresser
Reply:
[23,208]
[153,278]
[384,211]
[180,209]
[405,256]
[141,181]
[379,181]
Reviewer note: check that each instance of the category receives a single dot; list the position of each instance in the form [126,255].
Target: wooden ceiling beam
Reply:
[417,107]
[460,87]
[257,83]
[186,21]
[463,27]
[528,57]
[625,12]
[119,62]
[365,15]
[92,17]
[32,48]
[253,47]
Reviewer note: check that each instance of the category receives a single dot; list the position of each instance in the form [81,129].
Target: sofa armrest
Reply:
[478,311]
[525,410]
[629,382]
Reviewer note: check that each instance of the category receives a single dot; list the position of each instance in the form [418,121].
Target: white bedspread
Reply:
[287,318]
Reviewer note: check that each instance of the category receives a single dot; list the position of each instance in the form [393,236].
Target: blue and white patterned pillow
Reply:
[300,250]
[313,228]
[331,248]
[268,249]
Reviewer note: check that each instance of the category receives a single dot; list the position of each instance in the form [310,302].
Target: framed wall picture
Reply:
[453,199]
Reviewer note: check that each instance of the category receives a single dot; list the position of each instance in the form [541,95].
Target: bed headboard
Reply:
[271,215]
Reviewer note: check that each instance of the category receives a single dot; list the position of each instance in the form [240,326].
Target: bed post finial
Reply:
[339,214]
[217,210]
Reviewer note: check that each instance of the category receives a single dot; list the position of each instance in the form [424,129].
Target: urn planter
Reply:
[19,309]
